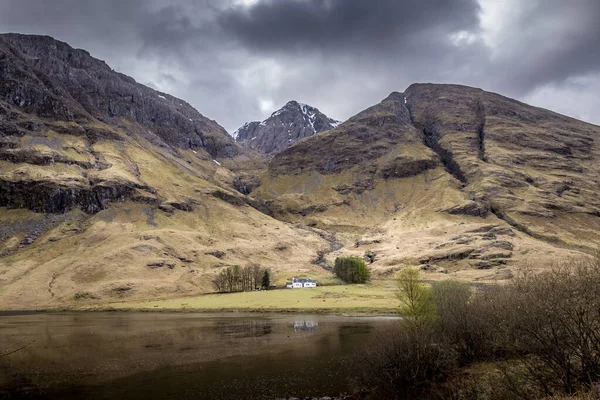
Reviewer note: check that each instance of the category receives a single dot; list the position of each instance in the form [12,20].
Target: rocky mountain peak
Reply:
[286,126]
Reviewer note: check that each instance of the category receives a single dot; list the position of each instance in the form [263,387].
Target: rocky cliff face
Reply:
[50,79]
[533,168]
[285,127]
[66,119]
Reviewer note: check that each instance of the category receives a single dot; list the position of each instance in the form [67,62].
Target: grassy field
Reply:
[378,297]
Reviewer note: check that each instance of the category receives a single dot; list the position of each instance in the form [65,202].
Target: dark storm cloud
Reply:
[235,60]
[335,25]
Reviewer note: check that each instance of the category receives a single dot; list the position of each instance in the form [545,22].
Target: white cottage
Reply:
[299,283]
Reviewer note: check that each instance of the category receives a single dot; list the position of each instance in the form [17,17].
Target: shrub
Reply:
[460,321]
[415,296]
[554,319]
[352,270]
[400,361]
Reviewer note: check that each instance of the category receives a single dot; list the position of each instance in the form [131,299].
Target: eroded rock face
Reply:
[530,166]
[285,127]
[48,78]
[49,197]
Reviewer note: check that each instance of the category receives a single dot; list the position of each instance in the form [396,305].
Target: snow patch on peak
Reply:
[236,133]
[309,113]
[305,108]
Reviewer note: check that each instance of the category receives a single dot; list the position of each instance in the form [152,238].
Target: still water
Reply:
[179,355]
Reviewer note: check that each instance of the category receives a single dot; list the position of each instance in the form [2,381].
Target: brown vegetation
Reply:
[539,337]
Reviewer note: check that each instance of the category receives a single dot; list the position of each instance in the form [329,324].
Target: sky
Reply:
[240,60]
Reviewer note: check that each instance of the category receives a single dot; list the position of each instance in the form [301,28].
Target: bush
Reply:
[461,321]
[352,270]
[554,319]
[401,361]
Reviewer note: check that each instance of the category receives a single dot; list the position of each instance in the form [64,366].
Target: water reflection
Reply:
[144,355]
[243,328]
[305,325]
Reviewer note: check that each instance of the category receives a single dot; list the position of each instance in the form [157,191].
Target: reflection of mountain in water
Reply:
[305,325]
[243,329]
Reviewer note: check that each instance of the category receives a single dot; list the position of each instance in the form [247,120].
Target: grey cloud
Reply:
[339,55]
[551,42]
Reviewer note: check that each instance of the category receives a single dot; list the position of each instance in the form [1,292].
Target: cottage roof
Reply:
[303,280]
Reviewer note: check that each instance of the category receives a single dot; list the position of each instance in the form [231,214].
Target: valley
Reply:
[115,195]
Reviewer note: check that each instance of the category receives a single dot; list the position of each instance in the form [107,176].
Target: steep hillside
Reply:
[447,176]
[111,190]
[286,126]
[537,170]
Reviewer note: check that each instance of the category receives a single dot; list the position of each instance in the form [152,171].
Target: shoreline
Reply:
[361,300]
[349,312]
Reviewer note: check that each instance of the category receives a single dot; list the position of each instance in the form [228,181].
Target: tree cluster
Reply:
[352,270]
[242,279]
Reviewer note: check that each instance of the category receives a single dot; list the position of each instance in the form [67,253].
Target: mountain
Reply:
[448,175]
[286,126]
[112,190]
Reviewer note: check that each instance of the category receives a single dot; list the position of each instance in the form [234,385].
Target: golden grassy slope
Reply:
[133,251]
[142,248]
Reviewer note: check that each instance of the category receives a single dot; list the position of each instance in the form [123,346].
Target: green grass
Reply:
[372,298]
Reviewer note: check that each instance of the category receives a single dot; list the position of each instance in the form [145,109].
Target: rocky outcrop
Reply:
[285,127]
[49,197]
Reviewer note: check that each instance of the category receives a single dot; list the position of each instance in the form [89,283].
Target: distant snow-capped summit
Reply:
[284,127]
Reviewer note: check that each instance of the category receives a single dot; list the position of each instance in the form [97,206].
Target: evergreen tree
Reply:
[266,280]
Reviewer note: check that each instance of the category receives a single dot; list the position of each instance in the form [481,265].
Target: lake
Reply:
[179,355]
